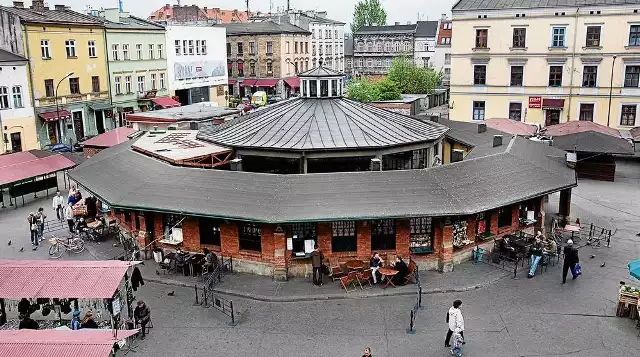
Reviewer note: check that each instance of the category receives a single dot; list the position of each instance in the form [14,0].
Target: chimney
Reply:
[167,6]
[37,5]
[397,23]
[444,17]
[482,128]
[18,4]
[59,7]
[434,118]
[497,140]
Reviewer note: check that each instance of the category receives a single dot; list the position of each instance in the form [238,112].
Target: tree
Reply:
[368,13]
[365,91]
[411,79]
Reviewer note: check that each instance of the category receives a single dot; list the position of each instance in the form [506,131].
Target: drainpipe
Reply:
[613,65]
[106,56]
[573,60]
[33,90]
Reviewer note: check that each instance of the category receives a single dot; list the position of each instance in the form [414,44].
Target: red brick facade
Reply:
[274,258]
[89,152]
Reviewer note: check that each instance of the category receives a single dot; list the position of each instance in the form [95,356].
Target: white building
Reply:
[17,120]
[424,49]
[197,63]
[442,59]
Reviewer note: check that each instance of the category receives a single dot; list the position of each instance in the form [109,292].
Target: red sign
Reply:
[535,102]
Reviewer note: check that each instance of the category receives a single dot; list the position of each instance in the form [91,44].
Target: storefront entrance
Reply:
[78,125]
[16,142]
[552,117]
[99,121]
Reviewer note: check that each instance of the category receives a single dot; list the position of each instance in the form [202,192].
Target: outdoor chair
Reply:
[364,277]
[147,327]
[349,280]
[411,275]
[336,273]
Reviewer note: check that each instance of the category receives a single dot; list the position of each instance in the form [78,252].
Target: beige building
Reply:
[545,63]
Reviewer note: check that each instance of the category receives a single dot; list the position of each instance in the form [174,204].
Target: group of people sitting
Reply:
[540,250]
[376,262]
[208,262]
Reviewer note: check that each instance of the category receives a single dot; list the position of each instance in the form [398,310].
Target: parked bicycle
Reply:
[58,245]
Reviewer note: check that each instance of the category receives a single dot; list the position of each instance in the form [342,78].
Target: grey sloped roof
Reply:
[386,29]
[427,29]
[262,28]
[532,4]
[467,133]
[522,170]
[53,16]
[593,142]
[6,56]
[322,124]
[320,71]
[133,22]
[348,46]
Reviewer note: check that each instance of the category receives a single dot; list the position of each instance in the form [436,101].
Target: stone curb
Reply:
[344,296]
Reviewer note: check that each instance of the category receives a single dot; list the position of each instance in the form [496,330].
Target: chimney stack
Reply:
[37,5]
[397,23]
[18,4]
[60,7]
[482,128]
[497,140]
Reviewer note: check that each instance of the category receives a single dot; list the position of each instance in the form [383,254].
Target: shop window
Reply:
[313,88]
[209,231]
[504,217]
[303,236]
[136,217]
[459,232]
[127,217]
[344,237]
[383,234]
[421,235]
[527,213]
[250,237]
[172,228]
[483,225]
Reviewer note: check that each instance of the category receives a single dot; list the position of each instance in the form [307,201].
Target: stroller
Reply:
[456,345]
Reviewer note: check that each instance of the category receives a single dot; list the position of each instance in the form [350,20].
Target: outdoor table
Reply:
[388,273]
[195,260]
[354,264]
[571,228]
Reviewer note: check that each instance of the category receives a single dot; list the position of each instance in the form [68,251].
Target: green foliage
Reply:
[365,91]
[411,79]
[368,13]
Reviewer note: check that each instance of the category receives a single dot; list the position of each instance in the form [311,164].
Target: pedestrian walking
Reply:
[455,321]
[367,352]
[316,263]
[68,215]
[33,230]
[58,206]
[570,260]
[41,217]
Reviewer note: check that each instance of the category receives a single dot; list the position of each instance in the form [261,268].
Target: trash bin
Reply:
[478,253]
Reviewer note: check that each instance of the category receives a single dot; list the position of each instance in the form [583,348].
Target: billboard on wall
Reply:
[199,69]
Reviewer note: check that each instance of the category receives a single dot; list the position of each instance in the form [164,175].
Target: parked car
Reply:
[272,99]
[58,148]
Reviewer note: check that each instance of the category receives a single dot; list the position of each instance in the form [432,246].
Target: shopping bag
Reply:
[577,270]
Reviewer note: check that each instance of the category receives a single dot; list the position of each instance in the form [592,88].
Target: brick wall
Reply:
[89,152]
[401,108]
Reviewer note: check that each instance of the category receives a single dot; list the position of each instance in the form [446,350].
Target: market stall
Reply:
[62,287]
[629,296]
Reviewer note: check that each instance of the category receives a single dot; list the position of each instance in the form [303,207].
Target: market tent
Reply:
[166,102]
[25,165]
[513,127]
[60,343]
[110,138]
[61,279]
[634,269]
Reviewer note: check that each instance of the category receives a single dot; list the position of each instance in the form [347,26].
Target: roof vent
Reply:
[497,140]
[482,128]
[397,23]
[434,118]
[60,7]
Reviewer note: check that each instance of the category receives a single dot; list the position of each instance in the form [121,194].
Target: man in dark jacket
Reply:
[570,260]
[316,262]
[142,314]
[27,323]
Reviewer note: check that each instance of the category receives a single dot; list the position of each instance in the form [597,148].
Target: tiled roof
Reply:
[133,22]
[578,126]
[60,343]
[322,124]
[386,29]
[593,142]
[317,18]
[83,279]
[533,4]
[53,16]
[11,57]
[427,29]
[221,15]
[466,133]
[524,169]
[513,127]
[263,27]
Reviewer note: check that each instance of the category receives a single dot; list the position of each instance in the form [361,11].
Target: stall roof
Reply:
[578,126]
[176,145]
[110,138]
[593,142]
[513,127]
[25,165]
[86,279]
[525,169]
[59,343]
[466,133]
[192,112]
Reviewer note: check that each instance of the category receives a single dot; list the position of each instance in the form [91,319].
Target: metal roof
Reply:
[524,169]
[60,343]
[348,46]
[466,132]
[514,127]
[427,29]
[462,5]
[6,56]
[49,16]
[22,166]
[86,279]
[110,138]
[386,29]
[322,124]
[578,126]
[320,71]
[593,142]
[191,112]
[133,22]
[262,28]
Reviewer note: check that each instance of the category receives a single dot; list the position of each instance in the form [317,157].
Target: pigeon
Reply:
[592,256]
[9,242]
[171,293]
[22,249]
[603,264]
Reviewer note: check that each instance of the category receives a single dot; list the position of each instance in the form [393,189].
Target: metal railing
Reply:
[418,304]
[209,298]
[496,259]
[597,235]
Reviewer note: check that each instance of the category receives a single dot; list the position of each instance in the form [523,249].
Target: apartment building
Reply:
[546,63]
[442,58]
[425,43]
[374,47]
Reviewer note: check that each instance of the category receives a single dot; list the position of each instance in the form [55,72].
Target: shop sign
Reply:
[535,102]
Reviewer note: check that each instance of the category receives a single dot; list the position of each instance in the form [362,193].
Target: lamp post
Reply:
[55,94]
[611,89]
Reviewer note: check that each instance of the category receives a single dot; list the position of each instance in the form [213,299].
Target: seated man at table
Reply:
[550,249]
[403,271]
[210,260]
[375,263]
[181,261]
[506,248]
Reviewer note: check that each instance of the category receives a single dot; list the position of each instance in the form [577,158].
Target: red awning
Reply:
[62,279]
[248,83]
[293,82]
[166,102]
[552,103]
[232,82]
[60,343]
[13,170]
[53,116]
[266,82]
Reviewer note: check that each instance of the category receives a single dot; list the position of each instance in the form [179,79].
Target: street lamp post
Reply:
[611,89]
[55,94]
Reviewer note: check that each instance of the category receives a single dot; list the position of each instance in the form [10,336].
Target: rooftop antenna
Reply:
[288,5]
[120,5]
[178,2]
[247,1]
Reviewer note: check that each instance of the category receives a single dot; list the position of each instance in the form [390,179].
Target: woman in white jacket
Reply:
[455,321]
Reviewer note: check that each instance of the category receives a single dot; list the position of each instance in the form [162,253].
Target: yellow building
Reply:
[68,68]
[546,63]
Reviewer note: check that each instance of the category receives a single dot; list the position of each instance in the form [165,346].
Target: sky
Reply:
[342,10]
